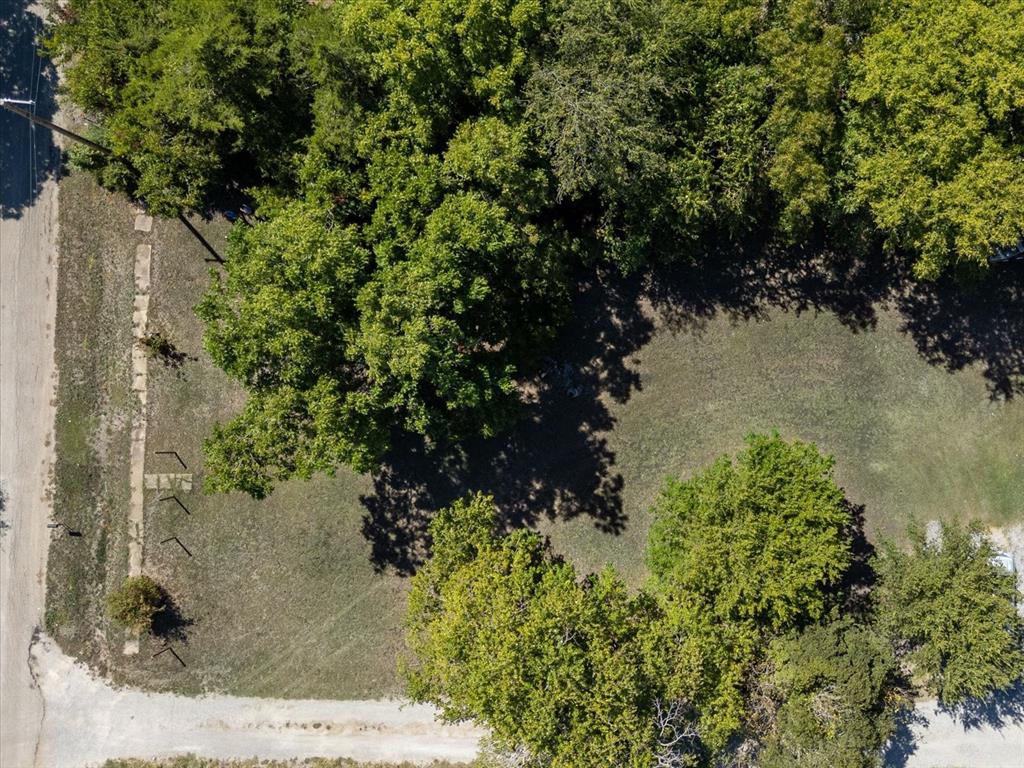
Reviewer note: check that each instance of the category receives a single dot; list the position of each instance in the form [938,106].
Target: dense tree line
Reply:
[430,173]
[751,645]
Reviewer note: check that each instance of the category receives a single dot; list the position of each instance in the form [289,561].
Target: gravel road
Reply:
[27,298]
[28,295]
[944,741]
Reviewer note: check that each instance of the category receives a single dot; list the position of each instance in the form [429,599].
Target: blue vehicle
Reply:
[1008,253]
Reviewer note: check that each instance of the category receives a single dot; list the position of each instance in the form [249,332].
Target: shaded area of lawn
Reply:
[915,388]
[557,463]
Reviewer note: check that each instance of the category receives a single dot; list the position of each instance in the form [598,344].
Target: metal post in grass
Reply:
[176,500]
[173,653]
[175,538]
[175,455]
[68,531]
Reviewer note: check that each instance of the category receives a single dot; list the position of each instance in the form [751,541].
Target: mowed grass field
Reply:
[302,594]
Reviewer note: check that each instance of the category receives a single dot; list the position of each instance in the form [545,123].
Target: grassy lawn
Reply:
[301,595]
[281,595]
[910,439]
[94,411]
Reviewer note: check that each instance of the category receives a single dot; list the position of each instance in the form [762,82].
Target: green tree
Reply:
[101,41]
[751,547]
[418,270]
[761,538]
[134,604]
[836,690]
[597,100]
[279,322]
[335,354]
[807,55]
[651,115]
[951,613]
[442,329]
[729,651]
[184,89]
[934,143]
[702,665]
[431,172]
[503,632]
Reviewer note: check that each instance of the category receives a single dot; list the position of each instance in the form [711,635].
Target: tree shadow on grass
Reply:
[860,576]
[169,624]
[745,281]
[953,323]
[956,325]
[555,463]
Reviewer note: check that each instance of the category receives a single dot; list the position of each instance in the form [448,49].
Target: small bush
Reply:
[157,345]
[135,604]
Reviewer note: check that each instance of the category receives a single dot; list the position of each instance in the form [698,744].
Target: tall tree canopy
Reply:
[743,648]
[761,537]
[951,611]
[463,158]
[753,546]
[503,631]
[834,685]
[580,671]
[421,268]
[189,91]
[807,53]
[936,142]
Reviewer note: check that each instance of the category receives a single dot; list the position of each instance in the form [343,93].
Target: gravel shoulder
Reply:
[944,741]
[27,381]
[88,721]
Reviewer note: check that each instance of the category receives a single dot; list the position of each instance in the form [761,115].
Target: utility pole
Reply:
[17,107]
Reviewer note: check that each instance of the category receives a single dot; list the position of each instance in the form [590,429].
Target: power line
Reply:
[13,105]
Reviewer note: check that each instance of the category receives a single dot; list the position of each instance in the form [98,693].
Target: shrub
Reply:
[135,603]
